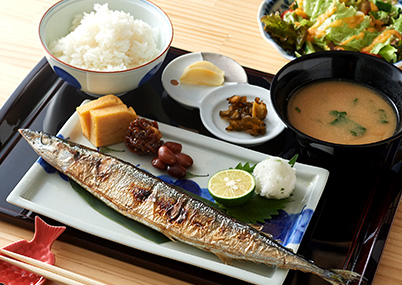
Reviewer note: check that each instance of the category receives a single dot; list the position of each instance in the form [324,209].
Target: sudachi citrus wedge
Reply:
[231,187]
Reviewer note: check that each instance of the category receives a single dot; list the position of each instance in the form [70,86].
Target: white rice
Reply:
[275,178]
[106,40]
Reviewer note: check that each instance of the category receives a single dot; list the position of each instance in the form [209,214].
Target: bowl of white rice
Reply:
[105,47]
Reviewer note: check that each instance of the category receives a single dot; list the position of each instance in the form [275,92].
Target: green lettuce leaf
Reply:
[397,24]
[358,43]
[284,33]
[386,51]
[314,8]
[334,32]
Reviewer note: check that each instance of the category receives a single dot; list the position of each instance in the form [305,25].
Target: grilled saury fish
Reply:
[166,208]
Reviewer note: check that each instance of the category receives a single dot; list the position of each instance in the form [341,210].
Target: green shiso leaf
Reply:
[246,167]
[256,210]
[115,216]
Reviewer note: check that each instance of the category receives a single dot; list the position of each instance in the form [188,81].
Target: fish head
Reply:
[50,148]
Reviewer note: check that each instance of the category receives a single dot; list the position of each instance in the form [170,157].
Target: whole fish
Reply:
[168,209]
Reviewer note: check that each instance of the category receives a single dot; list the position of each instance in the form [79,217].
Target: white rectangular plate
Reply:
[50,195]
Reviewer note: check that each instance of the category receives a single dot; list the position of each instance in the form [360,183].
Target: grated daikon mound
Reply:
[275,178]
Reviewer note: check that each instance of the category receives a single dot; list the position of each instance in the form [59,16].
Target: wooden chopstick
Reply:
[46,270]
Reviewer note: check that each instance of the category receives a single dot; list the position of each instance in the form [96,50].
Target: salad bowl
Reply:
[271,6]
[268,7]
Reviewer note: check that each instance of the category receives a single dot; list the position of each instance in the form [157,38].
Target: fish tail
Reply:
[340,276]
[46,234]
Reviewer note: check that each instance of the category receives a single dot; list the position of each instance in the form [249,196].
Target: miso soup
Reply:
[341,112]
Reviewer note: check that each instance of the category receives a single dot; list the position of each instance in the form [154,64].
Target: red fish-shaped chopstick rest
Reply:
[38,248]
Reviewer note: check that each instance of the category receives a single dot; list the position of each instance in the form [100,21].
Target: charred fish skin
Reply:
[168,209]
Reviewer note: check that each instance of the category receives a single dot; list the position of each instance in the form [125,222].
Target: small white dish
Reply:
[215,101]
[190,95]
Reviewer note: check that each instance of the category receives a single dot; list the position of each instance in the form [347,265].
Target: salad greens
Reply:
[369,26]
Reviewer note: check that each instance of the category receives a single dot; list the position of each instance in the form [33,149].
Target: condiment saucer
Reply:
[190,95]
[216,101]
[212,99]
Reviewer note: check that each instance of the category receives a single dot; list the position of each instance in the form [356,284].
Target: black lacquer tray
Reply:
[348,229]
